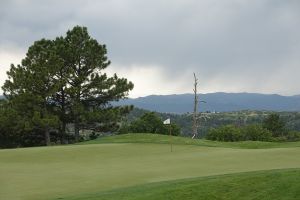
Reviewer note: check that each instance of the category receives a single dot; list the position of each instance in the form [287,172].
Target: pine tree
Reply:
[31,84]
[62,81]
[90,89]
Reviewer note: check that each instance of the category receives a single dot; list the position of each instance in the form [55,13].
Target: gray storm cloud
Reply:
[233,45]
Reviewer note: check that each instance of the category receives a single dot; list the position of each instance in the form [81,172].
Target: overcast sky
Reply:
[232,45]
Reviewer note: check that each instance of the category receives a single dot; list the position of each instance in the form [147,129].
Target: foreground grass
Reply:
[165,139]
[261,185]
[57,172]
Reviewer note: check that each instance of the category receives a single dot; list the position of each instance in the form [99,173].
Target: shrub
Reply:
[274,124]
[151,123]
[93,136]
[228,133]
[256,133]
[124,128]
[293,136]
[175,129]
[148,123]
[279,139]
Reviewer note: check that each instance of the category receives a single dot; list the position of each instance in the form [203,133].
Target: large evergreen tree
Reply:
[31,84]
[62,81]
[90,89]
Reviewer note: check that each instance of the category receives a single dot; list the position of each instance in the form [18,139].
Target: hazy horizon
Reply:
[214,93]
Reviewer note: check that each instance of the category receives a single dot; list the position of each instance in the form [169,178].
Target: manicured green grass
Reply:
[75,170]
[165,139]
[261,185]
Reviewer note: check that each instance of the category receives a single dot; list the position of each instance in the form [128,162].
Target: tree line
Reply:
[291,120]
[273,128]
[60,81]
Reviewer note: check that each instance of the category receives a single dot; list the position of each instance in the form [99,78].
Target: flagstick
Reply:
[170,137]
[168,122]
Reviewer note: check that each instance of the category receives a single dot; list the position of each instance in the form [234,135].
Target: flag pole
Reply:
[167,122]
[170,137]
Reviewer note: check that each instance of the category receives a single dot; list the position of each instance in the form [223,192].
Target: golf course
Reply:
[142,166]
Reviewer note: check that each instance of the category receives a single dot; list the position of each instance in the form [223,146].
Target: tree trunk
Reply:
[76,126]
[195,125]
[63,117]
[47,137]
[46,128]
[63,133]
[77,103]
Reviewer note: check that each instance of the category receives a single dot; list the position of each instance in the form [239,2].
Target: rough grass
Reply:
[75,170]
[261,185]
[165,139]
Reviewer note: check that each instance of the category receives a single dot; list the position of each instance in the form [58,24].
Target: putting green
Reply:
[54,172]
[165,139]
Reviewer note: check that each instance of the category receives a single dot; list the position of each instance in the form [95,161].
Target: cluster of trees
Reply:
[272,129]
[231,133]
[150,122]
[291,120]
[60,82]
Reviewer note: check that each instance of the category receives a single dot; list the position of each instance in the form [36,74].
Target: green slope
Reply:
[165,139]
[261,185]
[55,172]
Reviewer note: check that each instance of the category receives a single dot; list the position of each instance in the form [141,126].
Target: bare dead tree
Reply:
[195,113]
[196,117]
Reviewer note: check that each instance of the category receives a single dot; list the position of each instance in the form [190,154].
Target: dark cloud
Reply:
[232,45]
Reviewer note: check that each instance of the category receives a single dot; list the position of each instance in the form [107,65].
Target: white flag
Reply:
[167,121]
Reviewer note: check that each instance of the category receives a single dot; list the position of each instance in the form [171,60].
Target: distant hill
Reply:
[219,102]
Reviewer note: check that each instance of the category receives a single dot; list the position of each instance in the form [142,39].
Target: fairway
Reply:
[260,185]
[56,172]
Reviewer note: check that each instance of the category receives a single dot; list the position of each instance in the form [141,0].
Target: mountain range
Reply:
[215,102]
